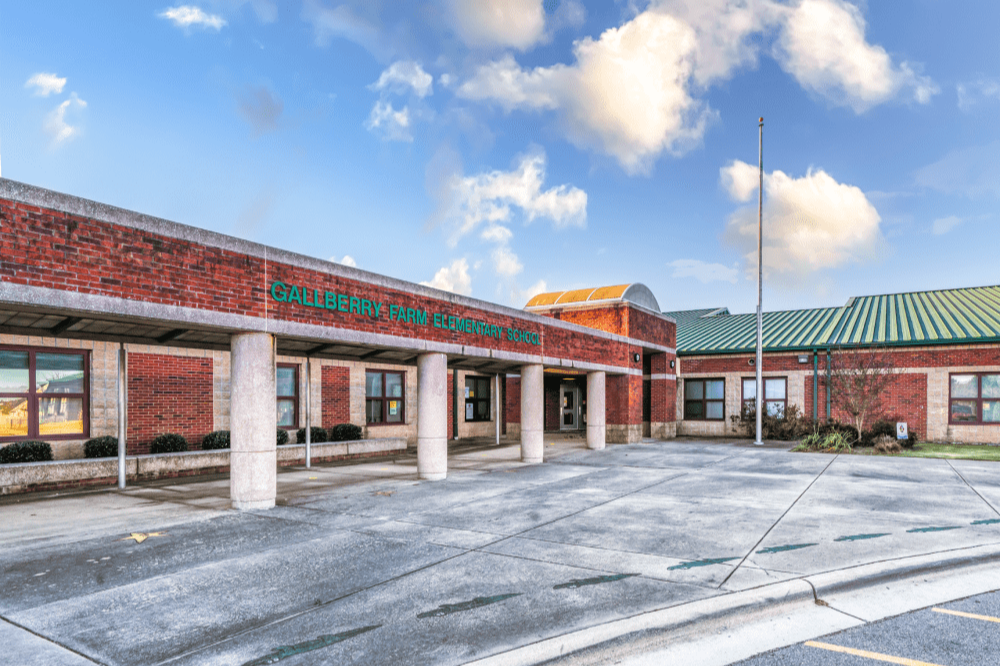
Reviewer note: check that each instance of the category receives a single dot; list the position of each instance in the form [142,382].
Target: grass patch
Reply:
[929,450]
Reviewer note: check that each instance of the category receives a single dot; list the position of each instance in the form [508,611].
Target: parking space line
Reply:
[978,617]
[871,655]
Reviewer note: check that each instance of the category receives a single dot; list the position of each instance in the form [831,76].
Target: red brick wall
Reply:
[336,395]
[168,394]
[906,398]
[48,248]
[451,405]
[514,400]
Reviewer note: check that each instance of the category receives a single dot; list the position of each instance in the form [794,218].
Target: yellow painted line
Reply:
[978,617]
[871,655]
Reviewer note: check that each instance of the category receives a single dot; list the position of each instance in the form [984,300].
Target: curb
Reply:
[651,630]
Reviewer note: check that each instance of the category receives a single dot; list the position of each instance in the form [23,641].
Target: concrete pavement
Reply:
[651,552]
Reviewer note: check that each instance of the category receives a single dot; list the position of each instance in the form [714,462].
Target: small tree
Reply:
[859,378]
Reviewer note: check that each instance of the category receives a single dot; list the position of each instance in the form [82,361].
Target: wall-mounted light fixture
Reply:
[671,363]
[803,358]
[635,357]
[751,362]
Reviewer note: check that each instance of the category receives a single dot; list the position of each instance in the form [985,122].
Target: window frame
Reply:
[705,401]
[765,400]
[295,398]
[473,401]
[34,397]
[384,398]
[978,400]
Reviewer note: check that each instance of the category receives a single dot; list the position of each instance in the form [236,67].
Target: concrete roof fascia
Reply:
[843,346]
[90,304]
[43,198]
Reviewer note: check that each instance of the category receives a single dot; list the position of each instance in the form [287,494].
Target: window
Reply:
[43,395]
[477,399]
[384,397]
[775,395]
[975,398]
[704,399]
[288,396]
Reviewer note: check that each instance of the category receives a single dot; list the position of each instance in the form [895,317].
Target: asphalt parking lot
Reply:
[503,562]
[962,632]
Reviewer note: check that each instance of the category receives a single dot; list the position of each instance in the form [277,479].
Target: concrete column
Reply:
[253,422]
[596,429]
[432,416]
[532,414]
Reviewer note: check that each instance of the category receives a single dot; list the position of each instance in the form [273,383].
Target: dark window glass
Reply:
[43,394]
[287,390]
[384,397]
[477,398]
[705,399]
[973,398]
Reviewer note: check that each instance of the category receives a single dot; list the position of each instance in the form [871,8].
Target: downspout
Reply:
[815,385]
[829,389]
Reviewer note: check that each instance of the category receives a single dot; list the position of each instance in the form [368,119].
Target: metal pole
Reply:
[760,284]
[308,413]
[122,407]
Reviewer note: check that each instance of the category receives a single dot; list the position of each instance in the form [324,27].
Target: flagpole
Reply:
[760,283]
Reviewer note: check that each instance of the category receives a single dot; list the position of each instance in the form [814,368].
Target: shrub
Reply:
[837,443]
[810,443]
[102,447]
[168,442]
[282,436]
[793,424]
[216,440]
[887,444]
[342,432]
[28,451]
[316,434]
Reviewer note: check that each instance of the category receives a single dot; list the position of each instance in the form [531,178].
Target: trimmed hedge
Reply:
[342,432]
[316,434]
[101,448]
[216,440]
[168,442]
[27,451]
[282,436]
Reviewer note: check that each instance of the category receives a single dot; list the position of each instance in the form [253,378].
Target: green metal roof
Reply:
[691,315]
[968,315]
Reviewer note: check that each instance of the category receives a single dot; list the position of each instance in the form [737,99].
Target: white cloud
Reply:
[625,96]
[45,83]
[497,234]
[703,271]
[186,16]
[489,198]
[724,29]
[55,122]
[454,278]
[404,75]
[810,223]
[391,124]
[344,22]
[972,93]
[945,225]
[538,288]
[506,263]
[822,44]
[969,171]
[518,24]
[740,180]
[346,261]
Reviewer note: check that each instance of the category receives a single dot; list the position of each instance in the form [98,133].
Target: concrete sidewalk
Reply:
[621,554]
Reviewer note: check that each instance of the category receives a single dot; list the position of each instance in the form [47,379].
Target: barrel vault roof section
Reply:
[966,315]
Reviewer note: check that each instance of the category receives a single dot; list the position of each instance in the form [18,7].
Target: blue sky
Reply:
[497,150]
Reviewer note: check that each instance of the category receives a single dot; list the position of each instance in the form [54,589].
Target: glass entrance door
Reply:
[569,400]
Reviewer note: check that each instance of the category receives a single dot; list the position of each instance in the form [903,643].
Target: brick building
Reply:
[116,321]
[943,347]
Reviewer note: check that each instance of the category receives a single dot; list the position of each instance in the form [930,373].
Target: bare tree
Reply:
[859,378]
